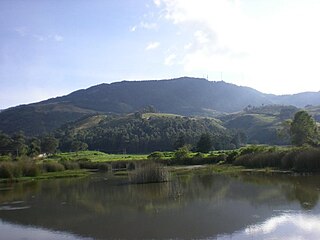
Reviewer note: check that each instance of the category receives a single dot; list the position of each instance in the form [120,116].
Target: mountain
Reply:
[184,96]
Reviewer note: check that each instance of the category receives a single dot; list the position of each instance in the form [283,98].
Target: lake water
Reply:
[188,207]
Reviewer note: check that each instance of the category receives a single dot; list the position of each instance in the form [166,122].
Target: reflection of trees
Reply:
[303,189]
[213,202]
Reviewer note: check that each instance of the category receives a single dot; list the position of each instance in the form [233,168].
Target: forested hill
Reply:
[185,96]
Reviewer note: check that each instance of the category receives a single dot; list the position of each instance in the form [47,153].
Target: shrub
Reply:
[308,160]
[10,170]
[70,165]
[83,164]
[149,173]
[288,160]
[260,160]
[29,168]
[5,158]
[231,156]
[156,156]
[181,153]
[52,167]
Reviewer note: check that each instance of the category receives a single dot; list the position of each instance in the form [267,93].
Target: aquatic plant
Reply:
[149,173]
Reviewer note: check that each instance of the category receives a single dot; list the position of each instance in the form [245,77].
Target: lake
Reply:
[191,206]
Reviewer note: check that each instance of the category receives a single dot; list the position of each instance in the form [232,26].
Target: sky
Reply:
[50,48]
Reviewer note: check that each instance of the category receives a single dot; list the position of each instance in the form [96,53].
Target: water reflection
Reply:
[191,206]
[286,227]
[11,231]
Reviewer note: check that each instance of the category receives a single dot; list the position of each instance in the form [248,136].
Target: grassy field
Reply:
[96,156]
[49,175]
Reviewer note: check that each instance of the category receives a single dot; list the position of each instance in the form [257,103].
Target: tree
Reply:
[204,144]
[34,147]
[180,142]
[78,146]
[181,153]
[19,144]
[49,144]
[303,129]
[5,144]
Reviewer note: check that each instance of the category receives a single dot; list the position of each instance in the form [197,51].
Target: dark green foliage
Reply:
[231,156]
[34,147]
[85,164]
[182,153]
[70,165]
[296,159]
[308,160]
[49,144]
[119,134]
[156,156]
[204,144]
[304,129]
[19,144]
[78,146]
[52,167]
[180,142]
[260,160]
[39,119]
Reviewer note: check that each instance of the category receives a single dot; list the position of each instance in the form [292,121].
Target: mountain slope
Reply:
[184,96]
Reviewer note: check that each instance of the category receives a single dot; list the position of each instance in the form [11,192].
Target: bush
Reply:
[288,160]
[231,156]
[260,160]
[70,165]
[83,164]
[181,153]
[29,168]
[156,156]
[149,173]
[307,161]
[10,170]
[52,167]
[4,158]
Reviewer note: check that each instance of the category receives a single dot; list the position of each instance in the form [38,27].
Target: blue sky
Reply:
[50,48]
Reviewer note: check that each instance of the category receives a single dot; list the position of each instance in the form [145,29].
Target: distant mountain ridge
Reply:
[185,96]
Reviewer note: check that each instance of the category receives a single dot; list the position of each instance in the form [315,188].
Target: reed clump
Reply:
[149,173]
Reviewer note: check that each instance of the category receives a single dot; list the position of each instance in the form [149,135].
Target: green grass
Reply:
[147,115]
[50,175]
[96,156]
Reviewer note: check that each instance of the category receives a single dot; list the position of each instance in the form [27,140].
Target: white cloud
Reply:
[269,44]
[58,38]
[187,46]
[152,45]
[39,37]
[22,31]
[148,25]
[169,60]
[157,2]
[201,37]
[133,29]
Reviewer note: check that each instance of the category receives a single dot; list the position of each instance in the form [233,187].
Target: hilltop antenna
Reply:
[221,75]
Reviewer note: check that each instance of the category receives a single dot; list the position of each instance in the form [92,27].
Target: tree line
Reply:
[135,134]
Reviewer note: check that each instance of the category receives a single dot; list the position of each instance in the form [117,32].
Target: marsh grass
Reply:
[149,173]
[19,169]
[304,159]
[52,167]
